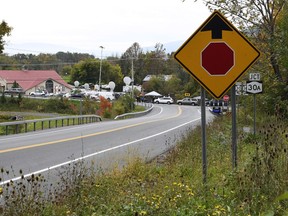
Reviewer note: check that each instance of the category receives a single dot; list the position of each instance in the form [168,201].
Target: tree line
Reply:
[265,23]
[85,68]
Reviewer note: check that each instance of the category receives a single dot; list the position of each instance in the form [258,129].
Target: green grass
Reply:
[174,185]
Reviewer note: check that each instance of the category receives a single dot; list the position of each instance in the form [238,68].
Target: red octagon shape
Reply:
[217,58]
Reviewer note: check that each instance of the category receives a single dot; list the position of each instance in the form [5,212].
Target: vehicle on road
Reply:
[218,106]
[37,93]
[198,98]
[220,102]
[188,101]
[164,100]
[14,91]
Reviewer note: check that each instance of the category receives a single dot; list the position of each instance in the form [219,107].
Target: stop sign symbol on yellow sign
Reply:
[217,55]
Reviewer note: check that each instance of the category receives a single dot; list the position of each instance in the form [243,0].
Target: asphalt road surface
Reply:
[106,143]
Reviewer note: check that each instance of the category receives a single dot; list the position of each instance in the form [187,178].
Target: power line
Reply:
[40,64]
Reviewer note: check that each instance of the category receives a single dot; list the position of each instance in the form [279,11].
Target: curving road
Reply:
[106,143]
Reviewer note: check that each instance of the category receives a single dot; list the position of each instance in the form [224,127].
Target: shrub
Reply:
[58,105]
[118,108]
[3,98]
[105,107]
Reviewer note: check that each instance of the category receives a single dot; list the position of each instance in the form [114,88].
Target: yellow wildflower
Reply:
[143,212]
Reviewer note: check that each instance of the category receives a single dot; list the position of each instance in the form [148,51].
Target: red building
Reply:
[34,80]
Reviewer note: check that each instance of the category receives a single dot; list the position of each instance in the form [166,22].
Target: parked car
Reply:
[188,101]
[77,95]
[38,93]
[107,95]
[198,98]
[164,100]
[95,97]
[14,91]
[62,94]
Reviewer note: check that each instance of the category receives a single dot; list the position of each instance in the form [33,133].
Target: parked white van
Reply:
[107,95]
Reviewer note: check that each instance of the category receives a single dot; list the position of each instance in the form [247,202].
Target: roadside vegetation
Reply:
[172,184]
[30,108]
[64,106]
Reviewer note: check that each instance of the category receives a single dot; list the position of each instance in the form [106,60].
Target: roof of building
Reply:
[28,79]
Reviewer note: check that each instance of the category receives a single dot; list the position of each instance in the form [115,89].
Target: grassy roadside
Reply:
[173,185]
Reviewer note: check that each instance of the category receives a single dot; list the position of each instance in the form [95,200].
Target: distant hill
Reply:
[37,48]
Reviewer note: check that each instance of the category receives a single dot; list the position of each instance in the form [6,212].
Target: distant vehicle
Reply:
[164,100]
[67,95]
[37,93]
[62,94]
[107,95]
[77,95]
[198,98]
[14,91]
[214,102]
[95,97]
[218,106]
[188,101]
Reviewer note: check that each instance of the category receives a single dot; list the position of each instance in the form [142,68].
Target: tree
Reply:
[155,61]
[5,30]
[135,54]
[154,84]
[66,70]
[171,86]
[283,42]
[87,71]
[15,84]
[7,63]
[257,18]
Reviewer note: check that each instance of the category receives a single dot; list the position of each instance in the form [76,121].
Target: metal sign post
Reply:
[203,126]
[254,129]
[254,86]
[234,128]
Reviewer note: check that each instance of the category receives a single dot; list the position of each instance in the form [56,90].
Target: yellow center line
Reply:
[85,136]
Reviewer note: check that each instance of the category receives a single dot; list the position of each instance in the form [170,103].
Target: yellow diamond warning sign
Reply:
[217,55]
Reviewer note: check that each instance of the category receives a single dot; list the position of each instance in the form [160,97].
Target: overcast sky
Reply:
[88,24]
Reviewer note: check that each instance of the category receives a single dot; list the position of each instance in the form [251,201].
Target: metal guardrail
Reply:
[15,127]
[136,114]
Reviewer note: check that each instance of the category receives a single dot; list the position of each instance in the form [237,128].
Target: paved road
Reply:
[105,143]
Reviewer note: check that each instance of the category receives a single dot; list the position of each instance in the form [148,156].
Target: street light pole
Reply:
[132,73]
[76,84]
[100,68]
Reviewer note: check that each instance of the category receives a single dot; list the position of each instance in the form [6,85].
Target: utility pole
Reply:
[132,74]
[100,68]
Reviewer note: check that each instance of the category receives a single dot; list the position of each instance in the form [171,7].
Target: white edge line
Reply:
[94,154]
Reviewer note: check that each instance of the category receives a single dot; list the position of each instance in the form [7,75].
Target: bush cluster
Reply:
[104,107]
